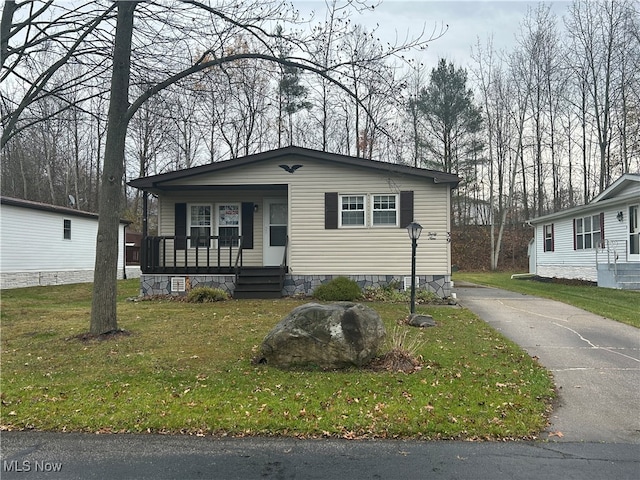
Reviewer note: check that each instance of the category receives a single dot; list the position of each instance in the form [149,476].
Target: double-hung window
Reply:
[200,225]
[228,224]
[384,211]
[352,208]
[588,232]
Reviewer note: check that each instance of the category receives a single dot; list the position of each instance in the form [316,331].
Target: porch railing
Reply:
[186,254]
[611,252]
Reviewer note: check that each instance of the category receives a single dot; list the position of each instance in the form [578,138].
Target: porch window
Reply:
[548,238]
[200,225]
[352,208]
[385,210]
[228,224]
[588,232]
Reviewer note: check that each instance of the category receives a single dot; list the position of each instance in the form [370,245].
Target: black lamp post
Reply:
[414,229]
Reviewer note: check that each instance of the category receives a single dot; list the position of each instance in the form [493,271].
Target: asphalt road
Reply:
[595,431]
[156,457]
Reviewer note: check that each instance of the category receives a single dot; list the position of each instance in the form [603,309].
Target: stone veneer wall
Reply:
[152,285]
[61,277]
[305,284]
[294,285]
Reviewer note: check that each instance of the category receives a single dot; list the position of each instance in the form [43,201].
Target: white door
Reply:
[634,233]
[276,214]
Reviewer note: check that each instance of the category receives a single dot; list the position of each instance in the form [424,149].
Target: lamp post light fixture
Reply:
[413,229]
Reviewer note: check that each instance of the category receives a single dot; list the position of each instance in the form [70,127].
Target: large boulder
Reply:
[337,335]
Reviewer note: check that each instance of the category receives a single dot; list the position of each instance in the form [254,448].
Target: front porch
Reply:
[173,265]
[186,255]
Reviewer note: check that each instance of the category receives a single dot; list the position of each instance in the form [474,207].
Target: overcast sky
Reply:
[467,21]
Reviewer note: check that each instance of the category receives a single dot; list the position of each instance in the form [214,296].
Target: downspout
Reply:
[124,250]
[145,231]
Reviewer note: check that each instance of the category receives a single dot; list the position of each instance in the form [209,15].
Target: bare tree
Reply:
[190,47]
[596,29]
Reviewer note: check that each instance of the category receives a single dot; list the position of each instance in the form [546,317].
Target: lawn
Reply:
[620,305]
[187,368]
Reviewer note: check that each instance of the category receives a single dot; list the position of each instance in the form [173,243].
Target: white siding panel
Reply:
[564,261]
[33,240]
[34,250]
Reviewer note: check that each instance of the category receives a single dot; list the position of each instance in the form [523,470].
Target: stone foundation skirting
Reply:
[294,285]
[58,277]
[306,284]
[154,285]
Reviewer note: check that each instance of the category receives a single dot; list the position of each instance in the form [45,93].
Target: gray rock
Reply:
[417,320]
[337,335]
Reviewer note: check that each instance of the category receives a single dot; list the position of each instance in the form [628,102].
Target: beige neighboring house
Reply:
[284,221]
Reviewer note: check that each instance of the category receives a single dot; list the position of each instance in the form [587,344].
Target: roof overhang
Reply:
[156,183]
[45,207]
[585,209]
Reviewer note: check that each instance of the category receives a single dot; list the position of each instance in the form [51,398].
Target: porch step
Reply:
[628,276]
[254,282]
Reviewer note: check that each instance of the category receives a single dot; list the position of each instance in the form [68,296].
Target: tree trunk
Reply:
[103,307]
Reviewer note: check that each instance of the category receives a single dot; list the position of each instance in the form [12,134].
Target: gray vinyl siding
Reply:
[313,250]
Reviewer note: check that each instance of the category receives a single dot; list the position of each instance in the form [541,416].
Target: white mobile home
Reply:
[282,222]
[48,245]
[598,242]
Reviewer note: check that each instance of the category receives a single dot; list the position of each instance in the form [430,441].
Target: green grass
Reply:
[186,368]
[620,305]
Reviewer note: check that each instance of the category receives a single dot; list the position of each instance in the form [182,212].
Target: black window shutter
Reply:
[331,210]
[181,226]
[406,208]
[247,225]
[601,229]
[575,238]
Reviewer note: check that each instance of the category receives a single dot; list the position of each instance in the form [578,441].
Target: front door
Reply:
[634,233]
[276,214]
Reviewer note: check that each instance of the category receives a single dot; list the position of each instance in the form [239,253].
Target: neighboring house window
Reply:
[66,229]
[228,224]
[200,225]
[548,238]
[352,208]
[385,210]
[588,232]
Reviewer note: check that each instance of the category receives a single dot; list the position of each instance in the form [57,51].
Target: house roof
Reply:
[613,194]
[155,182]
[616,187]
[45,207]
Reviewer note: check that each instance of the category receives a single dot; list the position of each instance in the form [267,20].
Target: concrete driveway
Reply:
[595,361]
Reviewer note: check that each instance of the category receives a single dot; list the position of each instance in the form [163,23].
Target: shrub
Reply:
[392,294]
[338,289]
[207,294]
[389,293]
[402,355]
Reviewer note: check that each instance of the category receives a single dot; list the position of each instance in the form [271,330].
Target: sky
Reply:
[467,22]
